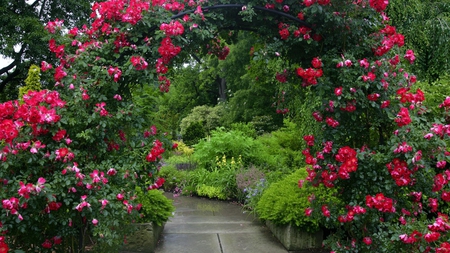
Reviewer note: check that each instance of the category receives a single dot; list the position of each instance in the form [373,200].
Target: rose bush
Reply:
[71,156]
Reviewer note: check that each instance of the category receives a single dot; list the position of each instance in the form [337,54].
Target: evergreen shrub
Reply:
[194,133]
[156,207]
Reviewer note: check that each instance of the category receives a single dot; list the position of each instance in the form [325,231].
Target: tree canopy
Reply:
[22,34]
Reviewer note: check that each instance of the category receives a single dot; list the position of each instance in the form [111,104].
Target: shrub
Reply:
[156,207]
[183,149]
[264,124]
[284,147]
[229,143]
[221,177]
[210,116]
[435,93]
[211,192]
[248,129]
[247,179]
[174,178]
[182,162]
[33,81]
[284,202]
[194,133]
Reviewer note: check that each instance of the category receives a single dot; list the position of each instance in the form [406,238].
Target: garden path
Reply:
[209,226]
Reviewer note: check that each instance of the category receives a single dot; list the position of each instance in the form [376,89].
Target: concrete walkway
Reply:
[209,226]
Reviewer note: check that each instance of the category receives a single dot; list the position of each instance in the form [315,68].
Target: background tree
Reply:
[22,35]
[426,26]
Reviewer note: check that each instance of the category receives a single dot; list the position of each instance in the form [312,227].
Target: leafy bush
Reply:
[435,93]
[211,192]
[284,146]
[264,124]
[285,202]
[221,177]
[33,81]
[156,207]
[181,162]
[174,178]
[229,143]
[247,129]
[183,149]
[210,116]
[194,133]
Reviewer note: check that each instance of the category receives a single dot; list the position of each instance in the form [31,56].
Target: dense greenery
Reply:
[156,208]
[285,202]
[23,37]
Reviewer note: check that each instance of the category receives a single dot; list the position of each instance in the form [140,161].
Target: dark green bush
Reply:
[284,202]
[194,133]
[156,207]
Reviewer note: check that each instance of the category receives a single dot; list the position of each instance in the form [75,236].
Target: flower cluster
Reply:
[381,203]
[351,212]
[221,51]
[310,75]
[400,172]
[347,156]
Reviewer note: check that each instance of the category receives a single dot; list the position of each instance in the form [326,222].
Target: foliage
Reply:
[156,207]
[208,116]
[55,185]
[230,144]
[183,149]
[246,128]
[251,183]
[22,36]
[219,180]
[376,147]
[284,202]
[426,26]
[284,145]
[194,133]
[32,83]
[251,102]
[435,93]
[211,191]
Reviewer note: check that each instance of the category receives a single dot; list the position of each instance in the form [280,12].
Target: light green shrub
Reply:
[210,116]
[156,207]
[284,202]
[229,143]
[211,192]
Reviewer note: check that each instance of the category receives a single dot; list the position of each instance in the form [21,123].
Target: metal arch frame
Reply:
[224,6]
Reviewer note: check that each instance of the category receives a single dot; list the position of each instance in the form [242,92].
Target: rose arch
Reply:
[73,157]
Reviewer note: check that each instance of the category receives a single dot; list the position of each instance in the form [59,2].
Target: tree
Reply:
[22,34]
[426,25]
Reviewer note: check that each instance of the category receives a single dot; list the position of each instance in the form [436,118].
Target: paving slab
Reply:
[188,243]
[209,226]
[262,242]
[211,219]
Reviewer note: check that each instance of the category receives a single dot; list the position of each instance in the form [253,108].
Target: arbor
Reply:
[22,34]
